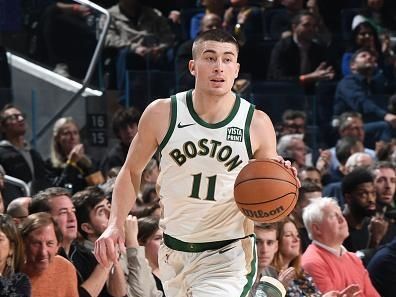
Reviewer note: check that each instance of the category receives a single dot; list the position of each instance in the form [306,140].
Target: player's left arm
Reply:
[263,140]
[262,136]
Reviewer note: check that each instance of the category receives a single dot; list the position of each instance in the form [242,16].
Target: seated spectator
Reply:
[293,122]
[142,34]
[216,7]
[331,266]
[125,125]
[377,14]
[298,57]
[356,160]
[308,191]
[385,185]
[310,174]
[18,209]
[92,211]
[360,196]
[365,36]
[289,255]
[267,245]
[51,275]
[92,277]
[16,156]
[69,162]
[345,147]
[292,147]
[150,236]
[12,281]
[348,124]
[382,268]
[352,94]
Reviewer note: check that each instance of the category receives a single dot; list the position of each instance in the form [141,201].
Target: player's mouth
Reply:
[217,80]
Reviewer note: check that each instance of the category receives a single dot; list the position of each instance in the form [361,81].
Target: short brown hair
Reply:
[218,35]
[39,220]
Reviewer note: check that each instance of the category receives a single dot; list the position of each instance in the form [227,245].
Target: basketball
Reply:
[265,191]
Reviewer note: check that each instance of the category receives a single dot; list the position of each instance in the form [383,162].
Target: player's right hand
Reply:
[109,244]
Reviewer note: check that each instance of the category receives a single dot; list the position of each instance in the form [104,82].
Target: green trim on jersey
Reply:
[253,270]
[200,247]
[172,123]
[249,118]
[224,122]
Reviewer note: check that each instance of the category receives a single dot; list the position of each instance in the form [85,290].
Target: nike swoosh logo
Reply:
[226,250]
[180,125]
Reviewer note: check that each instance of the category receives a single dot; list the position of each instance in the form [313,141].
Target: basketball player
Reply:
[205,136]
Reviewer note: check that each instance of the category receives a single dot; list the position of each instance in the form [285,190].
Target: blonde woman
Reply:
[72,167]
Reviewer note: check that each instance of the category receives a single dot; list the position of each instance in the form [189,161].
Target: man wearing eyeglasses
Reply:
[16,156]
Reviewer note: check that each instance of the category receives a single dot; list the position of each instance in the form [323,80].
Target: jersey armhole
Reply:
[172,123]
[248,143]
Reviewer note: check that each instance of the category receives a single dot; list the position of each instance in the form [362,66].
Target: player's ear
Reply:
[237,70]
[191,67]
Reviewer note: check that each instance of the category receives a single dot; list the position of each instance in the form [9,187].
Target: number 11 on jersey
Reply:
[197,185]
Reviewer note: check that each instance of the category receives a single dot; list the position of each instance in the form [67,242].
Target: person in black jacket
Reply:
[16,156]
[298,57]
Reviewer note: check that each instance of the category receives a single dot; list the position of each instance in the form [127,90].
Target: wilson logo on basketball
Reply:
[262,214]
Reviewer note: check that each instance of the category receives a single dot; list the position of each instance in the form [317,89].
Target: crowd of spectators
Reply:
[327,247]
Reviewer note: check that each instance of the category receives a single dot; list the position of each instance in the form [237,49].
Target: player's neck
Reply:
[213,109]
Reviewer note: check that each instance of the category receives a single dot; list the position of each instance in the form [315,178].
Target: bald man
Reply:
[18,209]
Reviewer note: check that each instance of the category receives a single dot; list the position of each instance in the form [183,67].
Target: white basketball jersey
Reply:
[199,165]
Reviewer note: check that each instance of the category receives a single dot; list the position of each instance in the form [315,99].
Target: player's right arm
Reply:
[151,129]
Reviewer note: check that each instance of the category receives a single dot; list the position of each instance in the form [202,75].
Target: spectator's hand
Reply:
[287,276]
[109,244]
[323,162]
[377,229]
[76,154]
[350,291]
[391,118]
[142,51]
[323,72]
[174,16]
[131,232]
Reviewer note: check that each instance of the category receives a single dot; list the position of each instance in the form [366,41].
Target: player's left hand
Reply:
[288,165]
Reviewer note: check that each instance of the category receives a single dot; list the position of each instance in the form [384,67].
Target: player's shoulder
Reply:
[157,108]
[260,118]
